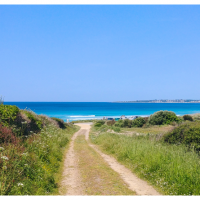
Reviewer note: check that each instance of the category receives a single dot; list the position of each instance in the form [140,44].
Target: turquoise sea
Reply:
[98,110]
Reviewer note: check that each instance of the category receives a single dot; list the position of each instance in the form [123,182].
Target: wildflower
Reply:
[25,154]
[20,184]
[4,167]
[4,157]
[25,164]
[1,148]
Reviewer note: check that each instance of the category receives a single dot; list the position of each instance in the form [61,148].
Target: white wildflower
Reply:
[25,164]
[4,157]
[25,154]
[20,184]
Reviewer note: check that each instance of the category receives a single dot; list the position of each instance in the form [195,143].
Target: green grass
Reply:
[172,169]
[97,176]
[31,166]
[152,129]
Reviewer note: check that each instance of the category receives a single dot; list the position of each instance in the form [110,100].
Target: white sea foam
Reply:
[83,116]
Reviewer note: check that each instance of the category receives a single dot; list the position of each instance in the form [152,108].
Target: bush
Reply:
[98,125]
[28,166]
[8,114]
[7,136]
[138,122]
[60,122]
[35,123]
[163,117]
[127,123]
[110,122]
[119,123]
[188,134]
[101,122]
[187,117]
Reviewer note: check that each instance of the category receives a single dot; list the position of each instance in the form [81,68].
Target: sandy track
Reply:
[72,178]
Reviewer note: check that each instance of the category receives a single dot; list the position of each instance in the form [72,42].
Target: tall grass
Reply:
[172,169]
[29,167]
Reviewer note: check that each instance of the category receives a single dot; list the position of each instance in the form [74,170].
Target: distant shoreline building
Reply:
[161,101]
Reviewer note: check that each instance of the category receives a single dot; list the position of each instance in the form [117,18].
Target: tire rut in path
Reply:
[72,178]
[135,184]
[71,175]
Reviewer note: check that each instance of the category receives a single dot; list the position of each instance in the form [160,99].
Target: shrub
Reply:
[116,129]
[101,122]
[187,133]
[110,122]
[119,123]
[127,123]
[35,123]
[60,122]
[163,117]
[8,114]
[138,122]
[7,136]
[98,125]
[30,167]
[187,117]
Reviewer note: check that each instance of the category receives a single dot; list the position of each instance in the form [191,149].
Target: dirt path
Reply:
[71,176]
[73,180]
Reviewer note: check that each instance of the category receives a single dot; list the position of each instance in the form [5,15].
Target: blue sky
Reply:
[99,53]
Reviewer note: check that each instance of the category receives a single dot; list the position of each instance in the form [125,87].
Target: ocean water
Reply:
[98,110]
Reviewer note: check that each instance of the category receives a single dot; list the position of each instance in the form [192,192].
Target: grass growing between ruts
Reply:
[172,169]
[97,176]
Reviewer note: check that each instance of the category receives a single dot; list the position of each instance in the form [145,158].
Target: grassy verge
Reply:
[152,129]
[172,169]
[31,166]
[98,177]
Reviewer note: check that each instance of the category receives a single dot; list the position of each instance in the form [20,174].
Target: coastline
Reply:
[156,102]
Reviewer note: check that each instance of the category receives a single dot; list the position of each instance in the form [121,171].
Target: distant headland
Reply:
[161,101]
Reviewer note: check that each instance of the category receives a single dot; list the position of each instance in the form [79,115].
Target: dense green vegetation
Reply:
[158,118]
[60,122]
[187,117]
[31,152]
[8,114]
[138,122]
[169,161]
[163,117]
[99,123]
[187,133]
[172,169]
